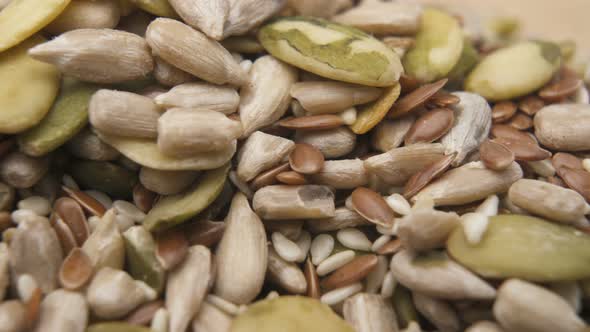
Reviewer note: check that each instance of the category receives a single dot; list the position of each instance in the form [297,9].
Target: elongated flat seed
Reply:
[331,97]
[421,179]
[294,202]
[495,155]
[313,122]
[431,126]
[372,207]
[201,96]
[306,159]
[352,272]
[334,262]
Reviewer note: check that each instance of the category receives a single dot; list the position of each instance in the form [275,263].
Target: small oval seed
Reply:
[172,247]
[578,180]
[524,150]
[531,105]
[421,179]
[564,159]
[495,156]
[313,282]
[75,270]
[561,89]
[72,215]
[372,206]
[306,159]
[354,239]
[521,121]
[352,272]
[334,262]
[144,314]
[287,249]
[313,122]
[291,178]
[506,131]
[431,126]
[321,248]
[89,203]
[503,111]
[416,98]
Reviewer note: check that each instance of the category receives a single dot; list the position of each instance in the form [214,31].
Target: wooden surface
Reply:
[551,19]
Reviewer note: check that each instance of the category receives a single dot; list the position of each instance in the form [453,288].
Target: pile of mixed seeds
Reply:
[296,166]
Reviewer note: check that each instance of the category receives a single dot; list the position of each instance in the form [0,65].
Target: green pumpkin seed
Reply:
[331,50]
[516,246]
[289,314]
[109,178]
[175,209]
[438,48]
[515,71]
[117,327]
[404,306]
[468,60]
[29,87]
[146,153]
[66,118]
[140,250]
[156,7]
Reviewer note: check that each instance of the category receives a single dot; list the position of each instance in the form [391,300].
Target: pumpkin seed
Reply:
[146,153]
[439,46]
[22,78]
[370,115]
[156,7]
[469,59]
[524,247]
[172,210]
[23,18]
[66,118]
[331,50]
[304,314]
[515,71]
[141,259]
[104,176]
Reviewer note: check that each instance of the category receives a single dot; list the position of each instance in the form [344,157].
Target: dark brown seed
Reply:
[204,232]
[505,131]
[495,156]
[76,270]
[408,83]
[306,159]
[143,198]
[415,99]
[578,180]
[313,282]
[565,87]
[269,177]
[531,105]
[442,99]
[352,272]
[390,247]
[171,248]
[521,121]
[33,307]
[524,150]
[5,221]
[421,179]
[313,122]
[503,111]
[564,159]
[372,207]
[64,234]
[88,202]
[431,126]
[145,313]
[72,215]
[291,178]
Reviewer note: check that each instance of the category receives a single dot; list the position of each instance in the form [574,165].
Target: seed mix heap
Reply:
[302,165]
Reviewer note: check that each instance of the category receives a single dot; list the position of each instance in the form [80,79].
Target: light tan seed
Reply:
[193,52]
[313,122]
[350,273]
[285,274]
[431,126]
[281,202]
[313,282]
[247,14]
[531,105]
[524,150]
[207,16]
[168,75]
[76,270]
[342,174]
[564,127]
[520,121]
[563,88]
[269,177]
[171,249]
[144,314]
[390,134]
[495,156]
[185,132]
[372,207]
[67,240]
[503,111]
[166,182]
[415,99]
[98,55]
[370,313]
[421,179]
[205,232]
[306,159]
[334,143]
[426,229]
[89,203]
[87,145]
[86,14]
[321,97]
[70,212]
[260,152]
[390,247]
[438,312]
[201,96]
[291,178]
[21,171]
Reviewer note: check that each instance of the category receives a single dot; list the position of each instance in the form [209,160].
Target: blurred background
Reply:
[557,20]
